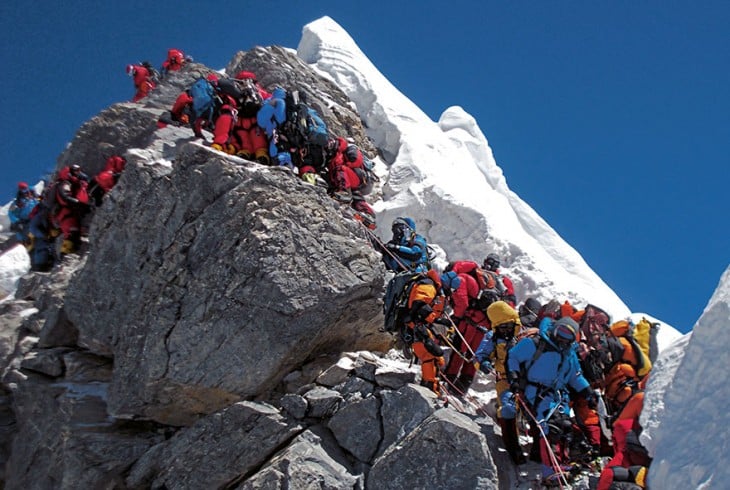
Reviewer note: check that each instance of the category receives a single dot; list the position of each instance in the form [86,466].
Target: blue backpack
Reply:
[203,96]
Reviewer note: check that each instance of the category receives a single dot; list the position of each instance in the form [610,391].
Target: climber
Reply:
[471,324]
[425,305]
[249,139]
[176,59]
[492,356]
[106,179]
[539,371]
[225,113]
[491,263]
[407,250]
[143,82]
[270,118]
[345,168]
[71,206]
[20,211]
[630,461]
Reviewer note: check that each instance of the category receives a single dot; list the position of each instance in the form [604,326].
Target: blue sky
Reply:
[612,119]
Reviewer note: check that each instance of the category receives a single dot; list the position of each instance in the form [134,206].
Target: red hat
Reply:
[212,77]
[245,75]
[22,186]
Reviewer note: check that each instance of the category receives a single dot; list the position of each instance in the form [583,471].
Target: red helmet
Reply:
[22,186]
[245,75]
[212,78]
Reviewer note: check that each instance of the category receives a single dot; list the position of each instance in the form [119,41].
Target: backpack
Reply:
[249,99]
[203,95]
[304,125]
[395,301]
[593,326]
[491,287]
[154,74]
[645,333]
[637,358]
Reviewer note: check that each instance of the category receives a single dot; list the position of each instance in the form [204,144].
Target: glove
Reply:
[590,397]
[391,246]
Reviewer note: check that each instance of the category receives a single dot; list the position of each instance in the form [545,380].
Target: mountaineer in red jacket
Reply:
[143,82]
[471,323]
[107,178]
[248,138]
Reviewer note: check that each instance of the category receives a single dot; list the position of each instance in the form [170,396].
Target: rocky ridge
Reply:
[199,341]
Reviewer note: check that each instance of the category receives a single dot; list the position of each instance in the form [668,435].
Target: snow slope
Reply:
[443,174]
[686,417]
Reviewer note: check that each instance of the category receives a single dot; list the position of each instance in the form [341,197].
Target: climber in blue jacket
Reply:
[540,370]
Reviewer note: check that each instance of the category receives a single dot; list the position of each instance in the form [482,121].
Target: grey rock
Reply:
[322,402]
[356,386]
[447,450]
[337,373]
[394,378]
[215,451]
[365,369]
[404,410]
[66,439]
[308,462]
[357,428]
[294,405]
[45,361]
[221,272]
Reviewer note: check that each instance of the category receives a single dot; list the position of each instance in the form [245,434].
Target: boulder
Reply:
[310,461]
[446,450]
[217,450]
[357,428]
[233,275]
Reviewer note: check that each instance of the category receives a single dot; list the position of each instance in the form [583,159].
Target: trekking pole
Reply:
[463,340]
[478,408]
[553,459]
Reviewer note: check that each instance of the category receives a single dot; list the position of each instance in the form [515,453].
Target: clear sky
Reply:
[612,119]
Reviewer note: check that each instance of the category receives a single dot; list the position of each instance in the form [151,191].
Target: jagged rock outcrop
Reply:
[232,275]
[217,450]
[418,460]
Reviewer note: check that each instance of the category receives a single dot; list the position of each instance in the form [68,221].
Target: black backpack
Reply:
[249,100]
[395,301]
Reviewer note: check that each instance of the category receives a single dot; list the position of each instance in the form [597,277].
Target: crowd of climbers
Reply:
[571,378]
[52,225]
[276,128]
[574,379]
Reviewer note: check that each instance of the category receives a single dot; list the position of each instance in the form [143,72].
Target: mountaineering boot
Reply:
[511,440]
[68,247]
[218,147]
[262,156]
[343,195]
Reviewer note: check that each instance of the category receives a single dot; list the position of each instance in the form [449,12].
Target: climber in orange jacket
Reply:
[425,305]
